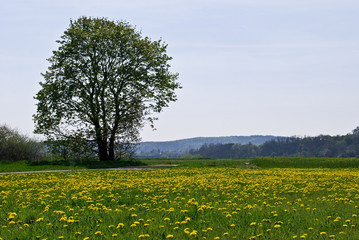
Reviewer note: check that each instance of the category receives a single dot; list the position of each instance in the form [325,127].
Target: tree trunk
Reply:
[102,150]
[111,150]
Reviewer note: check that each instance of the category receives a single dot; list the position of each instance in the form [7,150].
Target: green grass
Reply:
[186,203]
[198,162]
[264,162]
[302,162]
[23,166]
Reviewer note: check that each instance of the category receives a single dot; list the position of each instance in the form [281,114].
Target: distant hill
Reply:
[184,145]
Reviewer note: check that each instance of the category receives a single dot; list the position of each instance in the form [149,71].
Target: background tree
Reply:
[15,146]
[105,80]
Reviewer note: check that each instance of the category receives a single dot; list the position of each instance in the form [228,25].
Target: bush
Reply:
[15,146]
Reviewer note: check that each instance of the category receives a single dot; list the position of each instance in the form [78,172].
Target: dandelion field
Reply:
[181,203]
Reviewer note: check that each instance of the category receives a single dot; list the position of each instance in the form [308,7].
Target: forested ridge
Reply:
[319,146]
[177,147]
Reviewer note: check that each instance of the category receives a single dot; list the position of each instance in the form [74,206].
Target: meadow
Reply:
[182,203]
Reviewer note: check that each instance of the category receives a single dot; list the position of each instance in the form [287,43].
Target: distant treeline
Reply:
[320,146]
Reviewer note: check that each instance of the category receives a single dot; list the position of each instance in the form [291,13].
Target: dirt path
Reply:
[98,169]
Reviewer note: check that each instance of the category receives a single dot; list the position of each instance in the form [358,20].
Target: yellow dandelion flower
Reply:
[120,225]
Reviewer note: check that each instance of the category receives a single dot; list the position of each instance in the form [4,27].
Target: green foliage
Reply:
[320,146]
[104,82]
[176,147]
[15,146]
[302,162]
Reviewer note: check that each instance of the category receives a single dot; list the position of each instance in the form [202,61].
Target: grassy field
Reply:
[198,162]
[267,162]
[302,162]
[182,203]
[21,166]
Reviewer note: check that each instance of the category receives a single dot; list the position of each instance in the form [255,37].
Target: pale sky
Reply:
[285,67]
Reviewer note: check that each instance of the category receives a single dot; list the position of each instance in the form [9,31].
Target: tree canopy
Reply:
[104,82]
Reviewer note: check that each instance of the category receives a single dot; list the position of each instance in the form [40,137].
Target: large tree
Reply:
[103,83]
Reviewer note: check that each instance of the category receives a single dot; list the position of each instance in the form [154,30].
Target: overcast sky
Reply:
[271,67]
